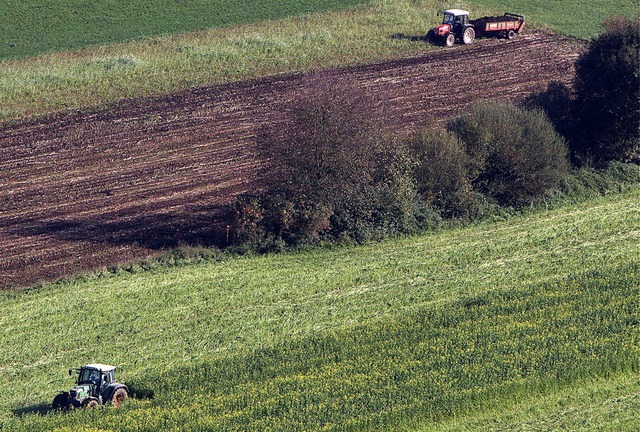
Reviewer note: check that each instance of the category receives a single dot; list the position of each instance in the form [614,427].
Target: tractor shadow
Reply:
[420,38]
[40,409]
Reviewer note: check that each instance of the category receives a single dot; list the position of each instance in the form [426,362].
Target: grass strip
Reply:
[440,361]
[153,321]
[32,27]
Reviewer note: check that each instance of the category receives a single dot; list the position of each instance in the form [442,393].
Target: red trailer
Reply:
[456,27]
[507,25]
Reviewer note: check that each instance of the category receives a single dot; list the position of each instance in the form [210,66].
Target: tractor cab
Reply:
[455,26]
[96,376]
[452,21]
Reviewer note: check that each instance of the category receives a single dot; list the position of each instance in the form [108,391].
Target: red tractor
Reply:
[456,27]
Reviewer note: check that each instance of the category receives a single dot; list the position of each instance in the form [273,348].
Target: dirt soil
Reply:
[88,190]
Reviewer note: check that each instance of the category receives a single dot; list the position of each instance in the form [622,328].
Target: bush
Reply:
[441,173]
[607,86]
[557,102]
[515,155]
[332,172]
[326,143]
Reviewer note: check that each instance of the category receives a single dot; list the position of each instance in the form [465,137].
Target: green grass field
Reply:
[525,324]
[160,64]
[578,18]
[417,332]
[32,27]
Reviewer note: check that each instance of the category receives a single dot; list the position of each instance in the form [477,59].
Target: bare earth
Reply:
[84,191]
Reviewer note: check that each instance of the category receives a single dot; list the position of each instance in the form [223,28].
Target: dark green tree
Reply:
[607,85]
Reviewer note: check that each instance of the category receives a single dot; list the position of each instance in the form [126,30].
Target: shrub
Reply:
[441,173]
[326,143]
[558,103]
[515,155]
[607,85]
[332,172]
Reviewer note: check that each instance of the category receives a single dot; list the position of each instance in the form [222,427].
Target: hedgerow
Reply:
[334,173]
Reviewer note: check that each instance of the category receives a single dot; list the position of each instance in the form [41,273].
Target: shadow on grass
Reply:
[420,38]
[39,409]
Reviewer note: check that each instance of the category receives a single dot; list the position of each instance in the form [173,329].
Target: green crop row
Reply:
[229,319]
[608,404]
[439,361]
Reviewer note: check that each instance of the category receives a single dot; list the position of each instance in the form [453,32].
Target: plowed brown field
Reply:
[83,191]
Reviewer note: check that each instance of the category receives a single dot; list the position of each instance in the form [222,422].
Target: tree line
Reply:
[335,173]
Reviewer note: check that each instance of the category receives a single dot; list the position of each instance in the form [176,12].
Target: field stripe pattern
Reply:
[83,191]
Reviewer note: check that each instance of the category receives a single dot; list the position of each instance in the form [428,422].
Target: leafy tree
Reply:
[332,171]
[607,86]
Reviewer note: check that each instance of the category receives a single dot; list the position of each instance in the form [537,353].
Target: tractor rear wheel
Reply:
[449,39]
[468,36]
[119,396]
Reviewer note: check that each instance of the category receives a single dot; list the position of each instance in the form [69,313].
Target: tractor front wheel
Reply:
[91,404]
[449,40]
[119,396]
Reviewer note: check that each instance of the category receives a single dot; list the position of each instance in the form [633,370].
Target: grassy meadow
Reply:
[579,18]
[527,323]
[33,27]
[420,332]
[151,65]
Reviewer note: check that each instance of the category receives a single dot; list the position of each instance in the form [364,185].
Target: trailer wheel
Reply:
[468,36]
[511,34]
[449,39]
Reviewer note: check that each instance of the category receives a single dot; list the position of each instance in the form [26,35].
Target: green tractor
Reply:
[96,385]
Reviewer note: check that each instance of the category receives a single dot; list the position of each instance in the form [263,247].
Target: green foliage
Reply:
[32,27]
[515,156]
[607,87]
[431,364]
[588,182]
[558,103]
[333,173]
[442,173]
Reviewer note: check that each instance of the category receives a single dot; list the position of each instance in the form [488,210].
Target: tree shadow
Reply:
[200,227]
